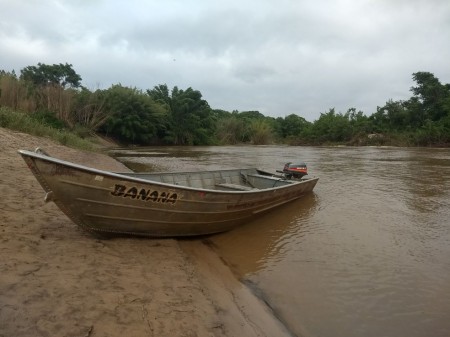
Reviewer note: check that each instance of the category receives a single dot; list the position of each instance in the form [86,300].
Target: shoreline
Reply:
[58,280]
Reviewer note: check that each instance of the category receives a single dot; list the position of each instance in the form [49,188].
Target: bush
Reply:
[23,122]
[48,118]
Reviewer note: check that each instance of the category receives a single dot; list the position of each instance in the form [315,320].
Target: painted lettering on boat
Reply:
[144,194]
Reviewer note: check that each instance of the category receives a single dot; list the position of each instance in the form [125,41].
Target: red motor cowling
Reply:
[295,170]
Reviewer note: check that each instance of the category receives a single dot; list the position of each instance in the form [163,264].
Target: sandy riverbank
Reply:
[57,280]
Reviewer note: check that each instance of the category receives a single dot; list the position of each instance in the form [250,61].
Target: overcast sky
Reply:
[275,56]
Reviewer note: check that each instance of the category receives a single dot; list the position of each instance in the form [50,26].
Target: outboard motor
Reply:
[296,171]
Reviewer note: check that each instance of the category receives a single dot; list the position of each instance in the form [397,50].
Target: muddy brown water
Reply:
[366,254]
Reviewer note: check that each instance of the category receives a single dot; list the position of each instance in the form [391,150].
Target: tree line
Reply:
[54,95]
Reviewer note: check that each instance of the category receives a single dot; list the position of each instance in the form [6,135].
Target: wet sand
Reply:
[57,280]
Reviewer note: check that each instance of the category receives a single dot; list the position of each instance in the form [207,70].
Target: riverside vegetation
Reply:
[49,100]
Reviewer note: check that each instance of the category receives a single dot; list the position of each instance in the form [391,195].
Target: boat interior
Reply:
[223,180]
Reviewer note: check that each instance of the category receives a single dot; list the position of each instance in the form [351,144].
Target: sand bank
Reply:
[57,280]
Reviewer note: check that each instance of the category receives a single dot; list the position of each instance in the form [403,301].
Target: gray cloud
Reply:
[279,57]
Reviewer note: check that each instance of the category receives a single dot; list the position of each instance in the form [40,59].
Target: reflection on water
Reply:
[366,254]
[266,238]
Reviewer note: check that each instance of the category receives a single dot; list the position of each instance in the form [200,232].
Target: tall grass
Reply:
[260,132]
[23,122]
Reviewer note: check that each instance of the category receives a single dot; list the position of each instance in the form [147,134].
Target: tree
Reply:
[394,115]
[293,125]
[359,122]
[88,109]
[251,115]
[52,88]
[134,116]
[57,74]
[190,119]
[432,95]
[332,127]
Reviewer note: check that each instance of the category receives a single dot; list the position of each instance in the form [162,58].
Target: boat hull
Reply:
[106,202]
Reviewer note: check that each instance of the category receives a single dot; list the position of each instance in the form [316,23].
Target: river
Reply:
[366,254]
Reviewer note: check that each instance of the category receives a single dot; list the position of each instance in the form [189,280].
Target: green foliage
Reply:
[56,74]
[245,127]
[260,132]
[54,99]
[250,115]
[432,95]
[292,126]
[190,119]
[431,102]
[230,130]
[134,117]
[430,133]
[161,94]
[23,122]
[331,127]
[48,118]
